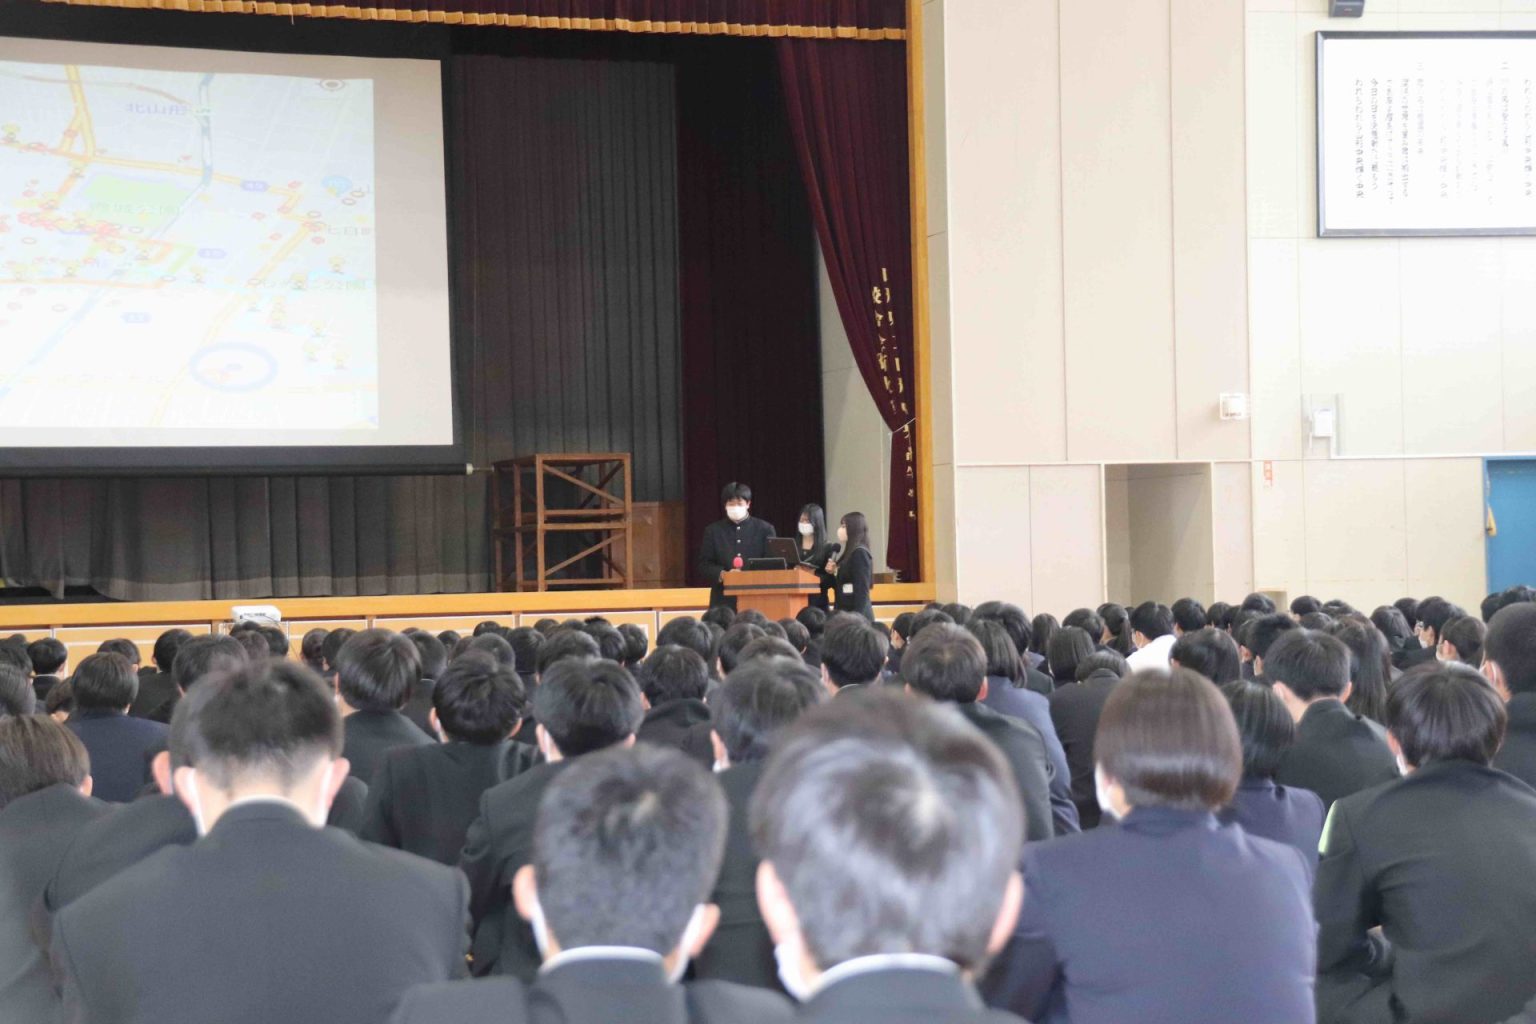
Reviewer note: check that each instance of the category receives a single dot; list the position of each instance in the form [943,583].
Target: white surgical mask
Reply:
[736,513]
[807,530]
[540,930]
[842,535]
[791,975]
[690,936]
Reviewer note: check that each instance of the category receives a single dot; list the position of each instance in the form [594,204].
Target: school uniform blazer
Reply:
[740,950]
[1169,918]
[1518,755]
[268,919]
[589,990]
[120,749]
[683,725]
[155,688]
[1286,815]
[1075,710]
[1021,745]
[423,798]
[40,686]
[1029,706]
[34,831]
[1444,861]
[855,577]
[725,541]
[498,843]
[369,735]
[1336,753]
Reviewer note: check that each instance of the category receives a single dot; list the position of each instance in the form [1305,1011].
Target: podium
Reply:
[777,593]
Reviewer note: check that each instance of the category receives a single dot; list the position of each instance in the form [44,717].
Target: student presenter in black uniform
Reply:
[732,542]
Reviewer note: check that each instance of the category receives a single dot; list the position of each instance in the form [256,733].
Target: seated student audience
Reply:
[17,697]
[158,685]
[1069,646]
[1509,662]
[61,701]
[376,671]
[119,747]
[732,642]
[493,644]
[636,644]
[1041,628]
[45,799]
[674,681]
[525,642]
[748,711]
[610,642]
[1306,604]
[1012,618]
[1370,666]
[14,656]
[1109,932]
[1337,752]
[625,848]
[422,798]
[582,704]
[268,895]
[946,664]
[1075,711]
[1433,614]
[1262,808]
[853,655]
[1261,632]
[1152,630]
[312,650]
[1398,633]
[1209,652]
[335,640]
[767,647]
[690,633]
[1006,695]
[1461,639]
[1118,634]
[1443,862]
[434,662]
[889,833]
[197,657]
[564,644]
[1188,616]
[48,657]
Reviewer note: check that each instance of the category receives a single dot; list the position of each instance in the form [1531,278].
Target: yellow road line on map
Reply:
[82,108]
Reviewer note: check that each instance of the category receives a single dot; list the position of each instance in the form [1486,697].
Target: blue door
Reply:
[1512,505]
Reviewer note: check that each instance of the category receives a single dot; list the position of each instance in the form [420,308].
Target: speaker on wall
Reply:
[1346,8]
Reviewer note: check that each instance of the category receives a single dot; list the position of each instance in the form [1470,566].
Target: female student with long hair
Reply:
[854,569]
[812,546]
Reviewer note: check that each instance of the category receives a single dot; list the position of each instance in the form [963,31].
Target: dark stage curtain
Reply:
[751,339]
[822,19]
[848,109]
[564,242]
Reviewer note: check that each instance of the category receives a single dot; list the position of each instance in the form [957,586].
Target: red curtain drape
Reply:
[848,109]
[814,19]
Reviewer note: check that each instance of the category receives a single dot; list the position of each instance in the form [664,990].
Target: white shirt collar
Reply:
[566,956]
[885,962]
[264,799]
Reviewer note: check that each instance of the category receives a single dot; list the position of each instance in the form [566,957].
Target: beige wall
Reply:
[855,443]
[1121,203]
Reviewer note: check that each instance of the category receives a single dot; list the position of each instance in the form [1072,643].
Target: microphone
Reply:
[833,552]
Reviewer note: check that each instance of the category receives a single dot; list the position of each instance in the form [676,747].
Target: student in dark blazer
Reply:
[157,682]
[376,671]
[267,894]
[423,798]
[582,705]
[1442,861]
[879,906]
[749,709]
[45,787]
[945,663]
[732,542]
[1075,710]
[48,657]
[626,846]
[1108,934]
[1336,752]
[815,549]
[119,746]
[1509,662]
[1006,694]
[434,662]
[197,657]
[853,571]
[674,681]
[1260,806]
[853,654]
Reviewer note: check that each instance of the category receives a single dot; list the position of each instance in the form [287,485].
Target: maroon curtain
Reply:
[751,392]
[814,19]
[848,108]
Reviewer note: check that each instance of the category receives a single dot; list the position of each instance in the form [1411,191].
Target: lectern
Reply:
[777,593]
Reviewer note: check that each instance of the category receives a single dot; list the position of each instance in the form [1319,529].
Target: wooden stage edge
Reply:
[508,608]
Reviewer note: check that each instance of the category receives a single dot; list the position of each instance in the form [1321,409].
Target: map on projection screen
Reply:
[184,249]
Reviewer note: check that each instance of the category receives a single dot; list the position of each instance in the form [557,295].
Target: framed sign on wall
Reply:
[1426,133]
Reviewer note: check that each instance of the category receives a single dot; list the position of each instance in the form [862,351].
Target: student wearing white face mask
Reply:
[853,570]
[732,542]
[815,550]
[267,893]
[625,849]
